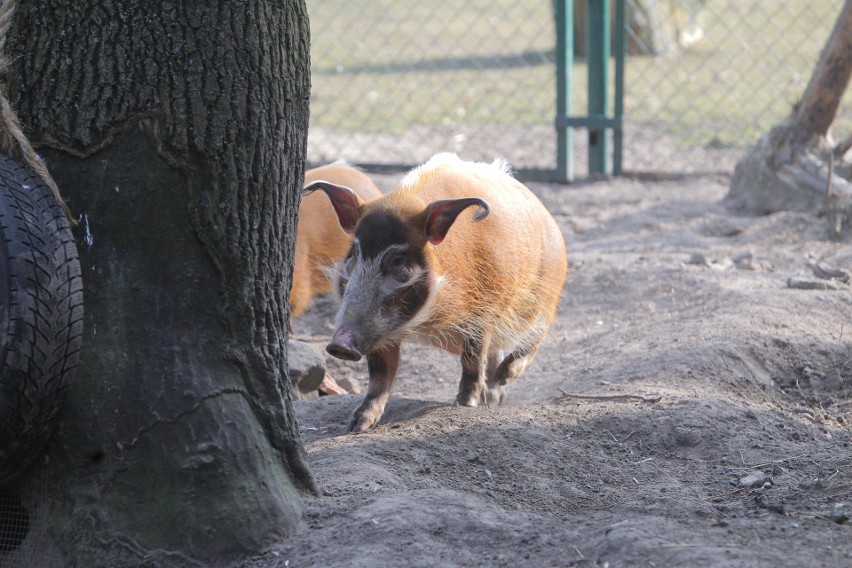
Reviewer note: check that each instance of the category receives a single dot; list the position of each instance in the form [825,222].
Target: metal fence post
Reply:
[564,72]
[618,110]
[605,131]
[598,65]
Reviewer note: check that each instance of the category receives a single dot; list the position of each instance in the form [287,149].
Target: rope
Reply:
[13,141]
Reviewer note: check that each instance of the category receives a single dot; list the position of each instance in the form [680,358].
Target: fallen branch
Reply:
[746,467]
[827,272]
[612,397]
[729,493]
[690,545]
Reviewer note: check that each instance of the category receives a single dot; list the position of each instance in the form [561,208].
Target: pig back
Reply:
[502,275]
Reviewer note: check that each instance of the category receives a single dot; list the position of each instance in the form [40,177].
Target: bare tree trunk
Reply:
[177,132]
[791,168]
[822,97]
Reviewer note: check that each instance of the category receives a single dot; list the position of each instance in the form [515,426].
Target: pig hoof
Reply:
[356,426]
[466,400]
[361,422]
[494,396]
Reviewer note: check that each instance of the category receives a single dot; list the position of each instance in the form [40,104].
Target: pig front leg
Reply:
[382,366]
[495,392]
[473,361]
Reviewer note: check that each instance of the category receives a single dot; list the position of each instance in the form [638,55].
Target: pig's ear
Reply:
[346,202]
[441,214]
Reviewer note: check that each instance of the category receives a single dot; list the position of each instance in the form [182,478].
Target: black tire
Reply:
[41,315]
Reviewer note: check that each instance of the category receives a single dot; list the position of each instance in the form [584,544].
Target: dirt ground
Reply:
[744,460]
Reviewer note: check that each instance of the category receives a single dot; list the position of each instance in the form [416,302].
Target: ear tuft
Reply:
[481,212]
[346,202]
[441,214]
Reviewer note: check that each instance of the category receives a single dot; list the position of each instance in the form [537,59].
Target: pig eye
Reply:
[394,261]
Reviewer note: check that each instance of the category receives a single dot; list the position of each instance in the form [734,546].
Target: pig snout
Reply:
[341,346]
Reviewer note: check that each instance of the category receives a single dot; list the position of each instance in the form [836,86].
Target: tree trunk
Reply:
[177,133]
[819,104]
[792,167]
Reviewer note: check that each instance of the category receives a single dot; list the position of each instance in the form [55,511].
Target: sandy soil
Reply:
[744,460]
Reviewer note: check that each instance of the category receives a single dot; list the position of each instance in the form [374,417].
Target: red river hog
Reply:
[461,256]
[319,240]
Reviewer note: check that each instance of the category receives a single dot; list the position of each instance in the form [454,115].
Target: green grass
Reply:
[388,65]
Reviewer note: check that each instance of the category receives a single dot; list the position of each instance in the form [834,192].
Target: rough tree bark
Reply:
[177,132]
[793,167]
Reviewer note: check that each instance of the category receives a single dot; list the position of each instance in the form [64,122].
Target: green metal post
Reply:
[604,130]
[598,64]
[564,72]
[618,111]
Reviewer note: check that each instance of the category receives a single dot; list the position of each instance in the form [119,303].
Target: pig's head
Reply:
[385,283]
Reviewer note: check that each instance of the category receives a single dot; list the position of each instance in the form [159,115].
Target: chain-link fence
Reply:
[395,81]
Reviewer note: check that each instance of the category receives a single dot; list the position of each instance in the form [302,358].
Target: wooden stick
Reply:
[734,492]
[613,397]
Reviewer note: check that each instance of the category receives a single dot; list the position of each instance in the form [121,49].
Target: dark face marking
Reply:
[399,263]
[406,302]
[379,230]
